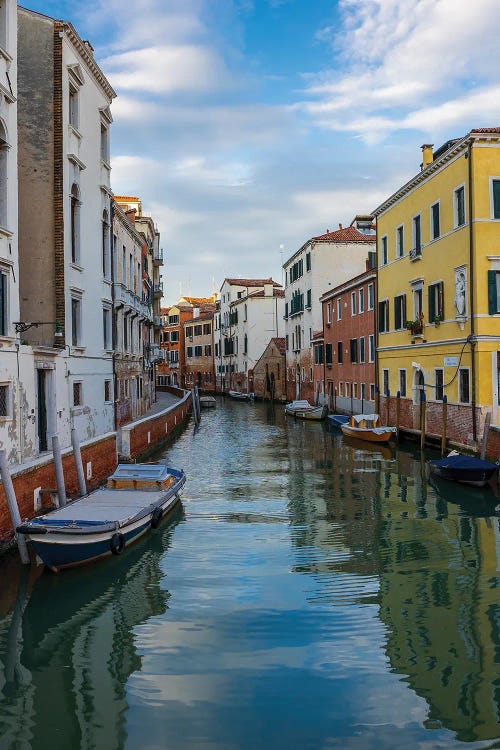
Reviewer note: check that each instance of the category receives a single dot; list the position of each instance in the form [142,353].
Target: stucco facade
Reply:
[199,351]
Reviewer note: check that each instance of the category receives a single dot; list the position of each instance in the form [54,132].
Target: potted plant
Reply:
[437,320]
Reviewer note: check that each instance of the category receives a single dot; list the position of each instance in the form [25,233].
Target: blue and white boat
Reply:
[104,522]
[337,420]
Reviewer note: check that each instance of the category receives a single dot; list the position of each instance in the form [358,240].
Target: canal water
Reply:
[310,593]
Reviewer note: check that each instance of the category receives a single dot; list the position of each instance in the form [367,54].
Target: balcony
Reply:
[158,289]
[158,321]
[415,254]
[155,353]
[158,257]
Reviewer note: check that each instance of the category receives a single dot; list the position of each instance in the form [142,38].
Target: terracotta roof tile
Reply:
[260,293]
[251,282]
[485,130]
[346,234]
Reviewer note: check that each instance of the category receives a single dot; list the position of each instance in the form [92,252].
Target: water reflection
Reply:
[67,648]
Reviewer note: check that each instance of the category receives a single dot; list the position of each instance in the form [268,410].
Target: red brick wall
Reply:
[145,435]
[102,455]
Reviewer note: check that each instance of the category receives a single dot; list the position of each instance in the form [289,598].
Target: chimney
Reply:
[196,312]
[268,290]
[340,226]
[427,154]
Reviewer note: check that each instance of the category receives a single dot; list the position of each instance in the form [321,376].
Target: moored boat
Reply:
[240,396]
[366,427]
[104,522]
[337,420]
[302,409]
[208,402]
[465,469]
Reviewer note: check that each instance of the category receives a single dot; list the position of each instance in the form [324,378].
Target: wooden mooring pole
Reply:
[398,413]
[15,516]
[423,403]
[486,432]
[444,425]
[82,485]
[387,406]
[61,489]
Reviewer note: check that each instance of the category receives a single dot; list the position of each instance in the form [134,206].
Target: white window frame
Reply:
[384,250]
[8,401]
[82,400]
[329,313]
[432,238]
[110,387]
[460,370]
[107,330]
[76,297]
[414,233]
[353,304]
[362,350]
[402,369]
[371,287]
[339,308]
[456,225]
[386,377]
[400,249]
[371,347]
[361,300]
[493,179]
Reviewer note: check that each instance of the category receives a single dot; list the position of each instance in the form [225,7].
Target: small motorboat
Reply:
[208,402]
[466,469]
[337,420]
[366,427]
[240,396]
[104,522]
[302,409]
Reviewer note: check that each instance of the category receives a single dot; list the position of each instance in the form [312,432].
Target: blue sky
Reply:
[246,125]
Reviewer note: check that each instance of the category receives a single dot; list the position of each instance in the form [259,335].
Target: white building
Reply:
[322,263]
[65,234]
[11,417]
[250,315]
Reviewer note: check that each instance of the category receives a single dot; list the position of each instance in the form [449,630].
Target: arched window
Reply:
[4,149]
[105,245]
[75,223]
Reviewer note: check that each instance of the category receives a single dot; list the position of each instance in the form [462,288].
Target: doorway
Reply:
[42,410]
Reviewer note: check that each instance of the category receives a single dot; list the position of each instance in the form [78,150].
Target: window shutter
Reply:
[496,199]
[441,299]
[403,310]
[492,292]
[381,317]
[397,313]
[432,302]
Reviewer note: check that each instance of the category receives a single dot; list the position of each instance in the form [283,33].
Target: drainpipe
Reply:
[375,310]
[325,396]
[114,334]
[472,298]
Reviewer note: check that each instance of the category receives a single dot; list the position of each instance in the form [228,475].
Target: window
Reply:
[463,385]
[371,347]
[207,329]
[173,320]
[383,251]
[106,328]
[77,393]
[3,26]
[106,260]
[309,299]
[493,292]
[208,350]
[189,351]
[198,330]
[198,351]
[459,206]
[371,296]
[400,312]
[435,221]
[5,401]
[400,242]
[125,333]
[383,316]
[416,236]
[107,391]
[340,353]
[308,261]
[362,349]
[436,302]
[73,106]
[76,321]
[363,391]
[104,143]
[402,383]
[297,270]
[353,303]
[418,301]
[354,349]
[348,390]
[4,316]
[329,314]
[495,190]
[189,331]
[339,309]
[385,378]
[355,390]
[4,150]
[372,391]
[361,300]
[174,337]
[75,223]
[439,375]
[328,355]
[318,354]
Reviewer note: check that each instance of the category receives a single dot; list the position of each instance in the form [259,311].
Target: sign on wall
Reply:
[451,361]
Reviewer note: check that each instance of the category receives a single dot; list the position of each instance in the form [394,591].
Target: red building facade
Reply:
[345,360]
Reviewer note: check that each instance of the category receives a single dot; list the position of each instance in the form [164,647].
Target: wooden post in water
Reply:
[398,412]
[61,489]
[422,419]
[387,406]
[82,485]
[377,400]
[486,433]
[444,424]
[13,507]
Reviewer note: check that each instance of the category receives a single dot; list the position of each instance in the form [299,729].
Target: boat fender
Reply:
[156,518]
[117,544]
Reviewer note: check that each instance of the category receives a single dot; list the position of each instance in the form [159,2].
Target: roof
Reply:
[197,300]
[369,275]
[345,234]
[250,282]
[280,344]
[202,316]
[276,293]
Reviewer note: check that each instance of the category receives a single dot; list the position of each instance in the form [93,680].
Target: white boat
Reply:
[105,521]
[366,427]
[240,396]
[208,402]
[302,409]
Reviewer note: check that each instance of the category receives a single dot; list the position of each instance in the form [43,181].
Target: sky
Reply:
[247,127]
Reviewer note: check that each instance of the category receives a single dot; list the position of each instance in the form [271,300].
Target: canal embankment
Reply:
[35,481]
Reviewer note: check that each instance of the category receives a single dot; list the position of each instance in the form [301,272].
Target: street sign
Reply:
[451,361]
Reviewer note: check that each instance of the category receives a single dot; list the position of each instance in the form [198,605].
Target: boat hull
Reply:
[337,420]
[241,396]
[380,435]
[475,477]
[66,546]
[315,413]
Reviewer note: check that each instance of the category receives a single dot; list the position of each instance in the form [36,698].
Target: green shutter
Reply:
[397,314]
[432,302]
[492,292]
[496,199]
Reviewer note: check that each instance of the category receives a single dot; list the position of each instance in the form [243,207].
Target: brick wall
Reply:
[145,434]
[101,454]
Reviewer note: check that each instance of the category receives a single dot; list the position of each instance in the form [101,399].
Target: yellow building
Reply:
[438,244]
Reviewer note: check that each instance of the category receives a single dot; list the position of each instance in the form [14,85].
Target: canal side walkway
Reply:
[35,480]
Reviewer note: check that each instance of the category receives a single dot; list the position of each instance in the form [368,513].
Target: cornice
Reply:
[84,53]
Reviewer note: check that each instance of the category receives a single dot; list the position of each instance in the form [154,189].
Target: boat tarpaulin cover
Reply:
[462,462]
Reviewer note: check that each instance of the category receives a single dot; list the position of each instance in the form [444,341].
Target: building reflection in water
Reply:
[67,648]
